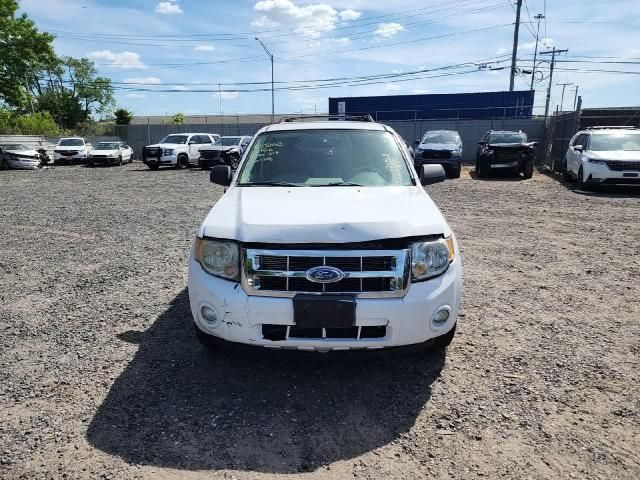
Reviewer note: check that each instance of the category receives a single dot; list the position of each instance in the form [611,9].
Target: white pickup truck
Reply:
[325,240]
[178,150]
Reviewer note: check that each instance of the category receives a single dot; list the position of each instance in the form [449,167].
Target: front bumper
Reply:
[77,158]
[24,163]
[597,173]
[163,160]
[408,320]
[103,160]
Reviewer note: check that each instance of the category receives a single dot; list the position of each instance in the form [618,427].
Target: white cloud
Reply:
[398,70]
[135,95]
[349,15]
[388,30]
[119,59]
[308,20]
[227,95]
[342,41]
[143,80]
[420,91]
[180,88]
[501,51]
[544,43]
[205,48]
[168,8]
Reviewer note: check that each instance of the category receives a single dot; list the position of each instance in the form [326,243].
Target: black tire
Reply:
[482,171]
[181,162]
[91,164]
[153,167]
[527,169]
[566,176]
[204,166]
[4,165]
[120,160]
[454,172]
[445,340]
[582,182]
[234,160]
[204,338]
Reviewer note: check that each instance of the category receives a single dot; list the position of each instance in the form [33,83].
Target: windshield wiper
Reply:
[268,184]
[338,184]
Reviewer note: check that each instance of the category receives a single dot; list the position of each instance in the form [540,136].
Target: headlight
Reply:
[456,153]
[219,258]
[430,259]
[597,162]
[169,151]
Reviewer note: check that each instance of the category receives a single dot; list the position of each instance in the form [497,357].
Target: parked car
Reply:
[604,155]
[442,147]
[226,150]
[110,153]
[71,150]
[505,150]
[179,150]
[16,155]
[325,240]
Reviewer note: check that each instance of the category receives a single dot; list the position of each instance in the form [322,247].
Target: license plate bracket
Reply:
[324,311]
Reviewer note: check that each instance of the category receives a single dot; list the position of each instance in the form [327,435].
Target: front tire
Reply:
[153,167]
[566,175]
[4,165]
[120,161]
[582,182]
[204,338]
[527,169]
[181,162]
[454,172]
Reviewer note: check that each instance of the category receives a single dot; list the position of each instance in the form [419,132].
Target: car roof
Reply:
[327,125]
[441,131]
[601,131]
[71,138]
[506,131]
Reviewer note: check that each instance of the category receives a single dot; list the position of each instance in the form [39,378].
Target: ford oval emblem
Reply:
[324,274]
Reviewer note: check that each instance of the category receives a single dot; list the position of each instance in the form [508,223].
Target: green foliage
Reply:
[38,123]
[66,109]
[178,119]
[25,52]
[123,116]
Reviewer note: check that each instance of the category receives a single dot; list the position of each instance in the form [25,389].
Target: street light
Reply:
[272,94]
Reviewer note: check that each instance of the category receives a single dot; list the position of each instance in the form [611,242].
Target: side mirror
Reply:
[221,175]
[577,148]
[430,174]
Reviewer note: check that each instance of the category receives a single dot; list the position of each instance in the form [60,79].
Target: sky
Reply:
[158,52]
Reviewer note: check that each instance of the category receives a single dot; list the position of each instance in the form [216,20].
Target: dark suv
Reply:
[505,150]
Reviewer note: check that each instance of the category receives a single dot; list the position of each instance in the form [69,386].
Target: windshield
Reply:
[228,141]
[325,157]
[181,139]
[441,137]
[108,146]
[71,142]
[14,146]
[507,138]
[615,141]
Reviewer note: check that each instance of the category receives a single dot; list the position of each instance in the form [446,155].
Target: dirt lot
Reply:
[101,377]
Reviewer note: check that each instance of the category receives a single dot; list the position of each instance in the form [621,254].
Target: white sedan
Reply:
[16,155]
[110,153]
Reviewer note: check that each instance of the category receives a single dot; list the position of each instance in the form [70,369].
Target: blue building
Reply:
[481,105]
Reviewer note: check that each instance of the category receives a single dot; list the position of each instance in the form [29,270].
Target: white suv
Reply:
[178,149]
[604,156]
[71,150]
[325,240]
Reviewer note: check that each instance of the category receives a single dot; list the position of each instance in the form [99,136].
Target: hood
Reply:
[219,147]
[24,153]
[69,147]
[323,214]
[167,145]
[632,155]
[105,152]
[511,145]
[440,146]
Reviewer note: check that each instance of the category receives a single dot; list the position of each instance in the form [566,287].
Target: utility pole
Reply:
[575,98]
[564,85]
[272,89]
[535,53]
[553,62]
[516,30]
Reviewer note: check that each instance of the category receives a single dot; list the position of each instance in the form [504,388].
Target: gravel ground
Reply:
[101,377]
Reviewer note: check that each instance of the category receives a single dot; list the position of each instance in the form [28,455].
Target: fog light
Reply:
[209,314]
[441,316]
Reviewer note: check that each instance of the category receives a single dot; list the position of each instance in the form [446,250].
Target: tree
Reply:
[25,52]
[38,123]
[178,119]
[123,116]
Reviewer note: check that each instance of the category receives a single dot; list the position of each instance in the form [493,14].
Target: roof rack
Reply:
[612,127]
[352,118]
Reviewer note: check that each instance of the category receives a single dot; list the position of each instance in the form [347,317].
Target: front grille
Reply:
[436,154]
[285,332]
[620,166]
[210,154]
[151,152]
[99,156]
[66,153]
[375,273]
